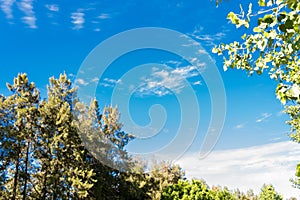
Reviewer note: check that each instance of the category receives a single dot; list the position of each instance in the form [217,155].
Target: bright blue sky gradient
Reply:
[57,36]
[46,38]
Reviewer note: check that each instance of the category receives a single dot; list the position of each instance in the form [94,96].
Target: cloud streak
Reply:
[240,126]
[209,39]
[164,82]
[77,20]
[6,7]
[52,7]
[104,16]
[107,82]
[26,6]
[247,168]
[80,81]
[264,117]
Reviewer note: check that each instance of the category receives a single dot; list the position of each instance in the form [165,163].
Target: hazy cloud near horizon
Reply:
[248,168]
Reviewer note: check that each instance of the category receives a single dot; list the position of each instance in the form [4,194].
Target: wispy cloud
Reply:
[52,7]
[197,83]
[80,81]
[164,82]
[248,167]
[280,113]
[209,39]
[240,126]
[78,19]
[6,7]
[95,80]
[107,82]
[26,6]
[263,117]
[104,16]
[275,139]
[174,63]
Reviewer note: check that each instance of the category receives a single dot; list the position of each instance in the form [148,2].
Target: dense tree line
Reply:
[198,189]
[44,154]
[43,151]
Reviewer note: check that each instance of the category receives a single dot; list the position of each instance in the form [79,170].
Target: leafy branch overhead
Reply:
[273,47]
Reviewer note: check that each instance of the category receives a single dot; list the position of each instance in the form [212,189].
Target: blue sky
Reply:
[46,38]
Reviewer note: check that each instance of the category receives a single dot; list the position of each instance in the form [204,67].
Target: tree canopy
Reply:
[45,148]
[268,193]
[44,154]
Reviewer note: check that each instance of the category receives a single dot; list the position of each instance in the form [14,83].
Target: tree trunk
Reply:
[44,191]
[55,184]
[26,170]
[16,174]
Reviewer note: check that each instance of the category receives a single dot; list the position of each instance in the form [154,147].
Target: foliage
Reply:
[196,189]
[268,193]
[18,126]
[60,148]
[45,152]
[272,47]
[42,154]
[162,175]
[242,196]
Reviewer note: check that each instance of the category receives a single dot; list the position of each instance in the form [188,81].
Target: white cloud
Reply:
[71,75]
[205,37]
[188,71]
[52,7]
[208,38]
[264,117]
[202,51]
[26,6]
[107,82]
[81,82]
[95,80]
[78,19]
[197,83]
[163,82]
[30,20]
[275,139]
[104,16]
[6,7]
[174,63]
[239,126]
[280,113]
[247,168]
[113,81]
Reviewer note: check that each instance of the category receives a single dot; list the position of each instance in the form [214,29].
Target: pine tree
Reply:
[18,115]
[64,172]
[105,141]
[268,193]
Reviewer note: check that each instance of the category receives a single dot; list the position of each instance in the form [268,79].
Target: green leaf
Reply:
[244,36]
[256,30]
[298,170]
[261,3]
[268,18]
[215,50]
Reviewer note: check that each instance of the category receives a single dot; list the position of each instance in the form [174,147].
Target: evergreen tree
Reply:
[102,136]
[268,193]
[64,172]
[18,127]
